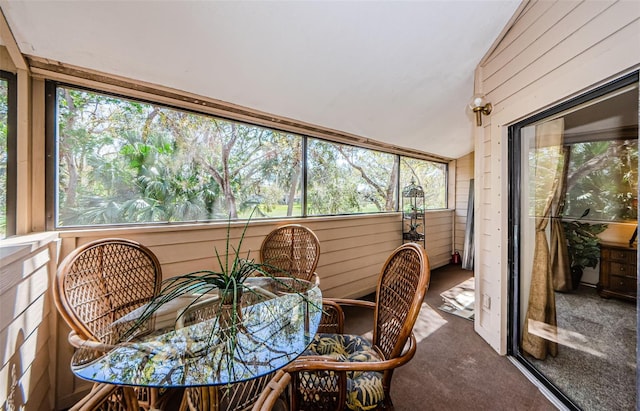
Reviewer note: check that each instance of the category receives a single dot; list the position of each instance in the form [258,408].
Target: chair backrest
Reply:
[102,281]
[292,248]
[402,285]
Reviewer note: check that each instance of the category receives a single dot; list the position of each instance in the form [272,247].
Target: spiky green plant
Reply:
[229,281]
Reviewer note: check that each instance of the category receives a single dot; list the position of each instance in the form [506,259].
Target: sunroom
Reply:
[176,125]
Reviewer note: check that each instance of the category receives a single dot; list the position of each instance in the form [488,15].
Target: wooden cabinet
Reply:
[618,272]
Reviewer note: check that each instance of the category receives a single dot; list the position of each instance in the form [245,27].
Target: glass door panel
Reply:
[574,312]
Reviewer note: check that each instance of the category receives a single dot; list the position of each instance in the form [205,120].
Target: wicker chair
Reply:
[292,249]
[271,394]
[100,282]
[106,397]
[340,370]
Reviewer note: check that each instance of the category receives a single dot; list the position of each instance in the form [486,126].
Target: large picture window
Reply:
[344,179]
[122,161]
[430,175]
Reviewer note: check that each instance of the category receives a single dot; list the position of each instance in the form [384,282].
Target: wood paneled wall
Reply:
[27,323]
[353,248]
[553,51]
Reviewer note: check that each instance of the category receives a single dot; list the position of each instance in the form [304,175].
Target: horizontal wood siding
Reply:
[27,318]
[438,231]
[552,52]
[353,248]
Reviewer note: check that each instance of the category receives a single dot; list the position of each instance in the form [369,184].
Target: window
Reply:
[345,179]
[123,161]
[430,175]
[7,154]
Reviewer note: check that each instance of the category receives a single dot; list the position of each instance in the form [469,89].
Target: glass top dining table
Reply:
[196,340]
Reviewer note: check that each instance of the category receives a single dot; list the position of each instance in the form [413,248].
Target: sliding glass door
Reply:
[573,254]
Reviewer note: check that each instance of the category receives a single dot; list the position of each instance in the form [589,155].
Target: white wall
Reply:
[552,52]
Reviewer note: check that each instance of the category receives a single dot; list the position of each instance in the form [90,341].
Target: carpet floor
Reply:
[454,368]
[596,361]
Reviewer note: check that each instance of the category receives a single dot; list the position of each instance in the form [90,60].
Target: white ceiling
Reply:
[399,72]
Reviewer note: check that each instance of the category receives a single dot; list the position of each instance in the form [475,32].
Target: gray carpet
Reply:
[597,365]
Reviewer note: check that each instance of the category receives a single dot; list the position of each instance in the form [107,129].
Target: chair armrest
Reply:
[326,363]
[352,302]
[78,342]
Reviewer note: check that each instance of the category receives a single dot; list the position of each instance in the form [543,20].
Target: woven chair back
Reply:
[101,282]
[401,289]
[292,249]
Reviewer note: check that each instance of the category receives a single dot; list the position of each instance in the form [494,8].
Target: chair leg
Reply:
[272,393]
[106,397]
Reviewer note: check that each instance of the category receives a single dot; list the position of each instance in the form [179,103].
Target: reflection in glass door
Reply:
[574,264]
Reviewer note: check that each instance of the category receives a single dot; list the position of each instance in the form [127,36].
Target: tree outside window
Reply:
[345,179]
[603,178]
[121,161]
[432,176]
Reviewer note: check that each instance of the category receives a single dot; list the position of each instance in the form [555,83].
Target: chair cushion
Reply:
[364,388]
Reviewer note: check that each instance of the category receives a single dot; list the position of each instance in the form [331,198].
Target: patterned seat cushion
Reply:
[364,388]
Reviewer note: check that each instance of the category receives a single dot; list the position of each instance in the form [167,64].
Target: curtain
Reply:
[560,263]
[539,332]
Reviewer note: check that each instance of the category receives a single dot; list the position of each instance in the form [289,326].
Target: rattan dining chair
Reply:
[97,284]
[107,397]
[292,249]
[339,370]
[271,395]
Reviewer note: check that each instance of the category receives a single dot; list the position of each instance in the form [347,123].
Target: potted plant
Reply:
[583,245]
[229,281]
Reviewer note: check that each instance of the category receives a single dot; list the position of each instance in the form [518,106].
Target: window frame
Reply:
[12,152]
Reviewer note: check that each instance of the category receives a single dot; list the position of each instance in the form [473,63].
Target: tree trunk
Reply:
[294,186]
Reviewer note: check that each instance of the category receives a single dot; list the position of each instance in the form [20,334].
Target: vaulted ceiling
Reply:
[400,72]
